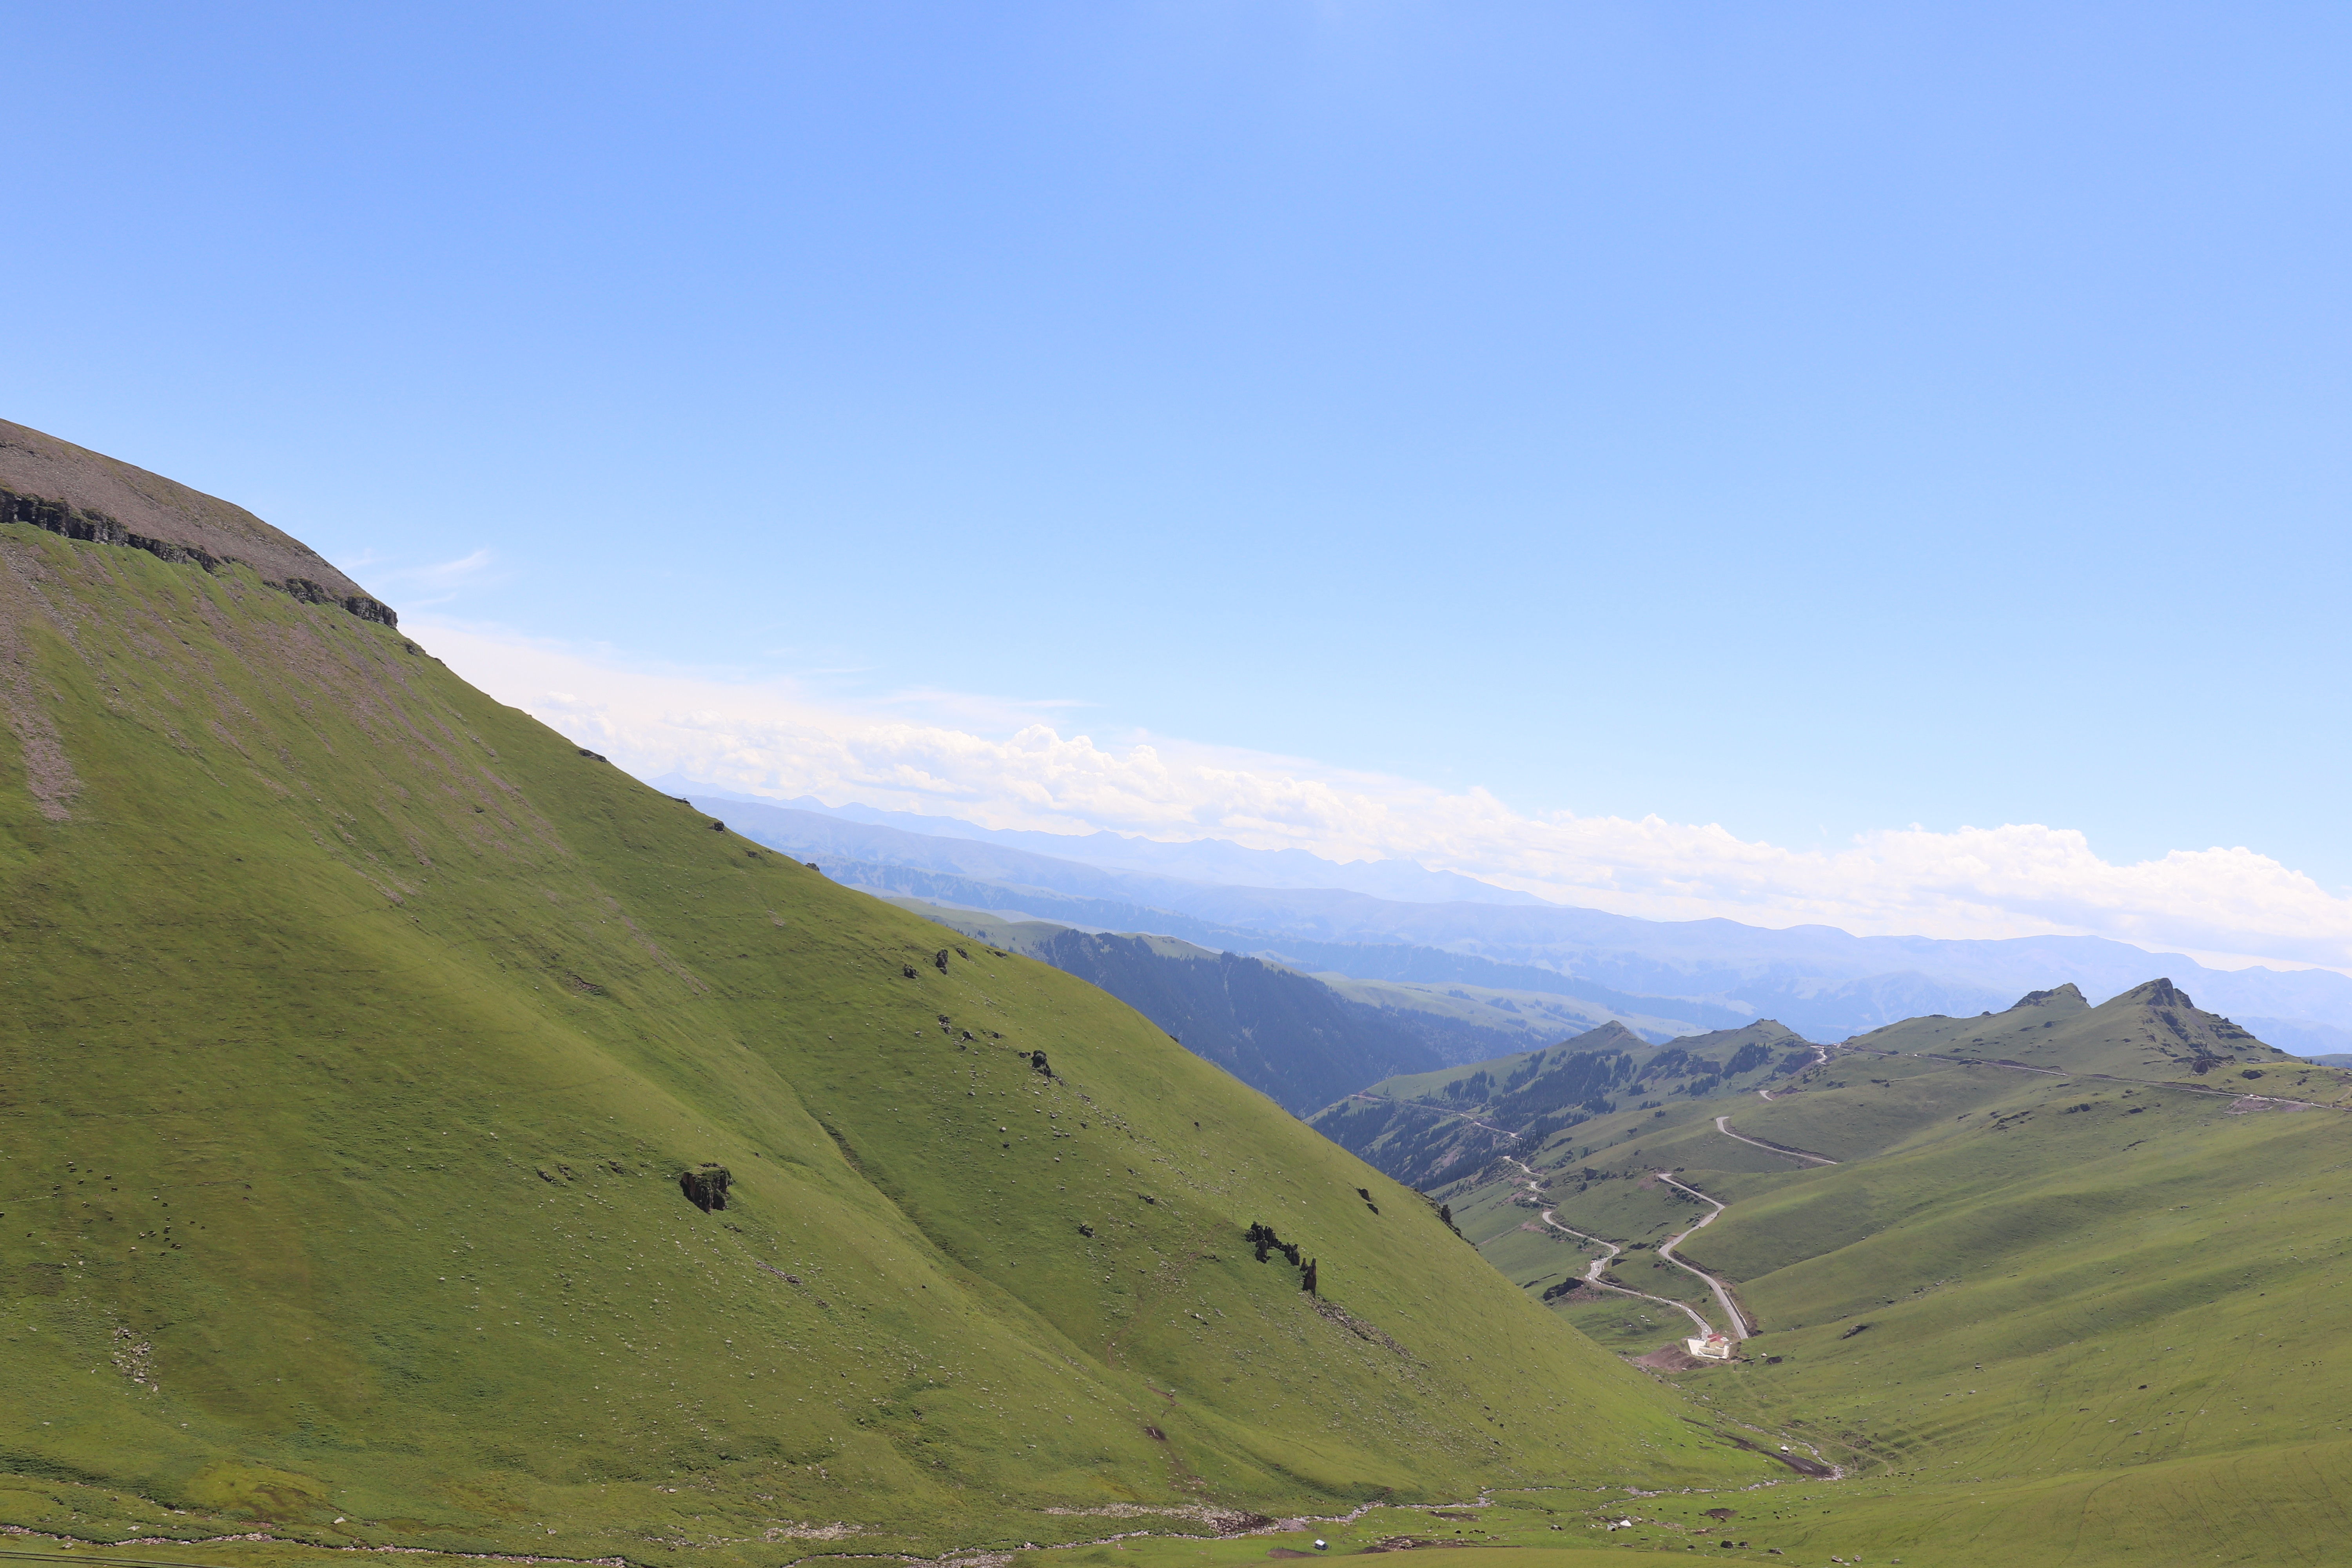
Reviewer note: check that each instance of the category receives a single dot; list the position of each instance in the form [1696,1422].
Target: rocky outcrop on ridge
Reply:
[81,494]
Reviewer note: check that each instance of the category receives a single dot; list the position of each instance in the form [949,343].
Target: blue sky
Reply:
[1809,419]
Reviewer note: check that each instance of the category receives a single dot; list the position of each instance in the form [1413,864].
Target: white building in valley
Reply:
[1713,1347]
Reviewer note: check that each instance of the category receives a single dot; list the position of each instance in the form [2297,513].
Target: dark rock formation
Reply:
[705,1186]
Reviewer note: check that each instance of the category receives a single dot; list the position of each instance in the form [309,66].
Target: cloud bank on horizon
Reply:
[994,765]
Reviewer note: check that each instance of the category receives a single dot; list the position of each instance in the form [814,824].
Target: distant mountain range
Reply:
[1210,860]
[1662,978]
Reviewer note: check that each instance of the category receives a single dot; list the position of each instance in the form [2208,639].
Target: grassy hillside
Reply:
[2040,1314]
[358,1032]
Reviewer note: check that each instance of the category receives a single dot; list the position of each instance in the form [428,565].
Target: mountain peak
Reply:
[2067,996]
[2155,994]
[1612,1036]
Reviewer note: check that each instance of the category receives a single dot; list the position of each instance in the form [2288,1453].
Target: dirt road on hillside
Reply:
[1437,1110]
[1731,1312]
[1722,1125]
[1594,1270]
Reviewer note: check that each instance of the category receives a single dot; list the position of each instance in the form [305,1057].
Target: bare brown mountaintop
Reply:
[38,466]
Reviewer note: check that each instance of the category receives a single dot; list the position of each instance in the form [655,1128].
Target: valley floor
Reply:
[2296,1496]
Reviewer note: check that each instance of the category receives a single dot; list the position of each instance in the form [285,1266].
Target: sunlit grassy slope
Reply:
[356,1031]
[2042,1315]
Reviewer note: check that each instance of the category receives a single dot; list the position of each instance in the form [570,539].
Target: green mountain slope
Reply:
[1430,1128]
[2076,1309]
[359,1031]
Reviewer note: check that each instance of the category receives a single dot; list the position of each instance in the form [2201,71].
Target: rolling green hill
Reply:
[2064,1298]
[366,1047]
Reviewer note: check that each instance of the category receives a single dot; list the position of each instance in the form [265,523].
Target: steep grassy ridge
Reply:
[357,1031]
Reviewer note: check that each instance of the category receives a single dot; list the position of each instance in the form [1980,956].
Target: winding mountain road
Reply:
[1734,1320]
[1437,1110]
[1594,1270]
[1731,1312]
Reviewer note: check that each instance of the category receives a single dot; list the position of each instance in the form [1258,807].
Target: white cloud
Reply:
[932,751]
[441,579]
[466,568]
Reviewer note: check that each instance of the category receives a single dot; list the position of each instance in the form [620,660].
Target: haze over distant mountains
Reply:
[1394,921]
[1211,861]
